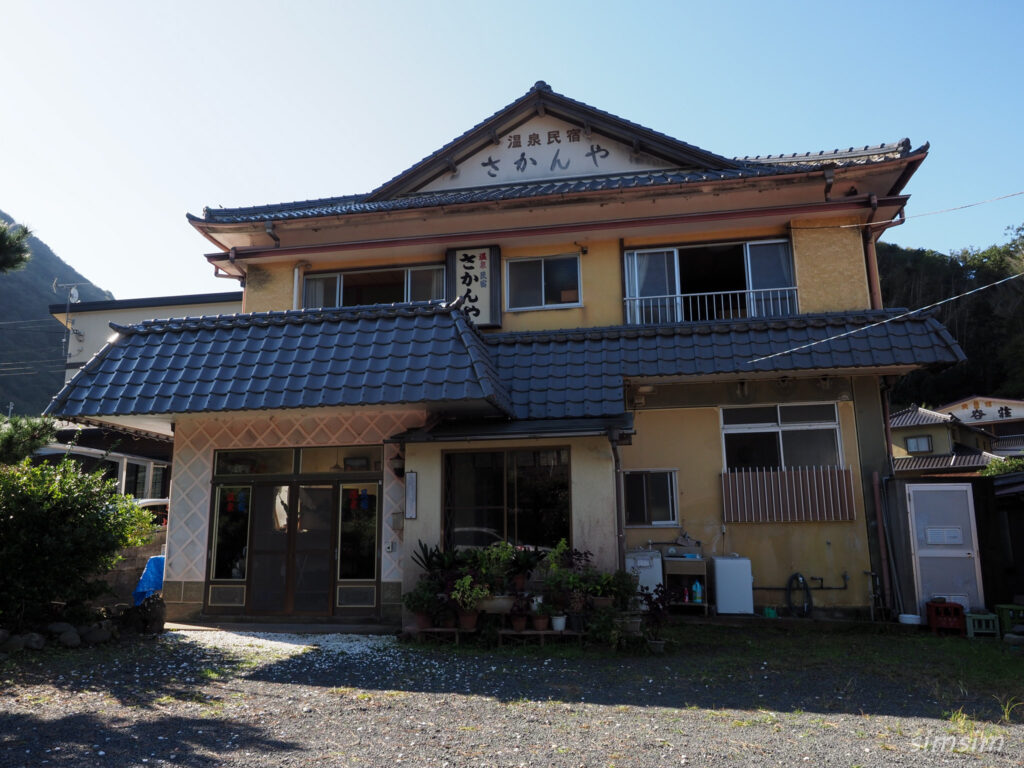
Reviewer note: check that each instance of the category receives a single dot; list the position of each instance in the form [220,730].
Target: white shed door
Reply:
[944,539]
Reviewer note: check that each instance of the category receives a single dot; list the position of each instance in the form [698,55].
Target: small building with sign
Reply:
[561,324]
[926,442]
[1002,417]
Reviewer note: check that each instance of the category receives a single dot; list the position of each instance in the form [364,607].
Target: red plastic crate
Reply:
[946,616]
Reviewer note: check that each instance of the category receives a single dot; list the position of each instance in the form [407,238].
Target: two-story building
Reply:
[560,324]
[927,442]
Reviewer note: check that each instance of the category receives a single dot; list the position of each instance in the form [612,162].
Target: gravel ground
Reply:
[247,699]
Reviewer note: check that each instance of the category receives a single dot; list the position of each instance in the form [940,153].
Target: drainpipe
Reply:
[620,526]
[871,258]
[297,283]
[883,554]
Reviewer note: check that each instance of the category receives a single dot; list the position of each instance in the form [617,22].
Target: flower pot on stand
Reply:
[468,620]
[424,621]
[558,623]
[518,621]
[540,621]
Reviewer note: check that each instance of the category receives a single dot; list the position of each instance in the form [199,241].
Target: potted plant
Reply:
[467,595]
[599,587]
[657,603]
[520,613]
[422,601]
[523,562]
[492,565]
[541,616]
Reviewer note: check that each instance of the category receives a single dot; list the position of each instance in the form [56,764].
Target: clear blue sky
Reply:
[120,117]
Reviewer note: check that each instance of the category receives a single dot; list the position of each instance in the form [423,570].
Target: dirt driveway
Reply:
[723,697]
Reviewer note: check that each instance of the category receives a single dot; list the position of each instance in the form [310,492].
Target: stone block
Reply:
[191,592]
[70,638]
[390,592]
[35,641]
[58,627]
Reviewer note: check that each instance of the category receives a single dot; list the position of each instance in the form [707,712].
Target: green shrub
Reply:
[60,529]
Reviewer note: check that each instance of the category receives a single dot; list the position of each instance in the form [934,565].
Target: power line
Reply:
[916,215]
[883,322]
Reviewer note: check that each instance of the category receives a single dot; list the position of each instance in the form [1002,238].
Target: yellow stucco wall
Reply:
[592,489]
[689,441]
[829,265]
[939,434]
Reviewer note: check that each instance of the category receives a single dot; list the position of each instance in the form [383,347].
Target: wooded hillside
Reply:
[989,324]
[31,341]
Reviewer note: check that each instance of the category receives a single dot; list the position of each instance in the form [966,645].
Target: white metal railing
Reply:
[719,305]
[796,495]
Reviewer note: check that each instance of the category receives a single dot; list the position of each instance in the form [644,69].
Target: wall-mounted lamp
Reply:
[397,464]
[583,248]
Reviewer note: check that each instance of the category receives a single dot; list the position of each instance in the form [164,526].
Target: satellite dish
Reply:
[73,295]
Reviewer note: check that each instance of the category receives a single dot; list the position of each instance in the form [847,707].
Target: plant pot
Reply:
[630,625]
[602,602]
[468,619]
[519,582]
[424,621]
[656,646]
[558,623]
[539,621]
[498,604]
[448,621]
[518,621]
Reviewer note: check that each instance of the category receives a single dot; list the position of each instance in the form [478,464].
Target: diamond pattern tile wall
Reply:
[197,436]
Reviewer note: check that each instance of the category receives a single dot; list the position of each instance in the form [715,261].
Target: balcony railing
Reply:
[720,305]
[798,495]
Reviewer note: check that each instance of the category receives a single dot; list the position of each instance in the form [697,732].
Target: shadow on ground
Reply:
[94,739]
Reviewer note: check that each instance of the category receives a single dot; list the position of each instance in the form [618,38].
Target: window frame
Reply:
[552,257]
[927,438]
[779,427]
[632,279]
[673,481]
[508,507]
[406,282]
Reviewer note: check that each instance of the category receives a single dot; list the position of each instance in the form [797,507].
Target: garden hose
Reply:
[798,582]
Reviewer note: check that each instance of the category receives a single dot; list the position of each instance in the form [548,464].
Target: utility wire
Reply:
[916,215]
[883,322]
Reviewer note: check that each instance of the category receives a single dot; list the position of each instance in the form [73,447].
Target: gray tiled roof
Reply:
[685,164]
[340,206]
[961,459]
[915,416]
[417,353]
[581,373]
[426,354]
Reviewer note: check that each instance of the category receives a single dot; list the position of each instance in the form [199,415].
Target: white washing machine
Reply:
[646,564]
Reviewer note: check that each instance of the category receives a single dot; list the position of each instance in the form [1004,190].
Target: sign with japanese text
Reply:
[476,274]
[545,148]
[983,410]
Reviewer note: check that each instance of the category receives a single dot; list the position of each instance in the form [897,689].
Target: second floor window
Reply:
[378,286]
[541,283]
[921,444]
[710,282]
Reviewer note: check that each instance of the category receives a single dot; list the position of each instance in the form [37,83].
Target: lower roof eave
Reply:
[525,429]
[154,426]
[808,373]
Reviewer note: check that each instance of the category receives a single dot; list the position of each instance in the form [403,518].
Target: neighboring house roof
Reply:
[683,164]
[431,355]
[961,458]
[151,301]
[418,353]
[916,416]
[1009,443]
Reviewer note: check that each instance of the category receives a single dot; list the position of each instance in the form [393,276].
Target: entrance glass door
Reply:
[311,558]
[291,555]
